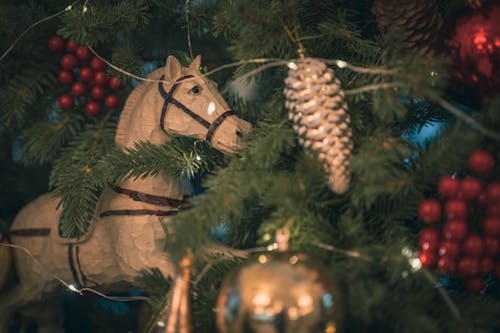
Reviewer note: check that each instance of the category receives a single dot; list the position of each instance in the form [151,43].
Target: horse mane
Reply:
[123,128]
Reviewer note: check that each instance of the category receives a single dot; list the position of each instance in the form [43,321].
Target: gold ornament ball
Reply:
[278,293]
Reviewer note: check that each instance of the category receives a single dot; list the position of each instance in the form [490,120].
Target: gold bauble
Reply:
[279,293]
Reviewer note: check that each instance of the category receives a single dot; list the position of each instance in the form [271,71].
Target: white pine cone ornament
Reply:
[317,107]
[418,20]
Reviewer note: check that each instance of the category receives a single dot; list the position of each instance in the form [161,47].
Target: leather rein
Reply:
[168,98]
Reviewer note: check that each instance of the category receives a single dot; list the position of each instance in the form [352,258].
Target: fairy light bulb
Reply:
[341,64]
[292,65]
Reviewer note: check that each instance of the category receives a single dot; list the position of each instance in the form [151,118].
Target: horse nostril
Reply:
[239,134]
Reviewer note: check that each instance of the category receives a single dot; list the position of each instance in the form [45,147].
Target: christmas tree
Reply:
[372,166]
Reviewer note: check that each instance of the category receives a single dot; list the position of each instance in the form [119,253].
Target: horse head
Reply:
[185,103]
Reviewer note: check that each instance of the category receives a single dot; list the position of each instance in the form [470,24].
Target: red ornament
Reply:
[455,230]
[98,92]
[486,265]
[66,102]
[97,64]
[56,44]
[71,46]
[83,53]
[481,162]
[475,285]
[449,249]
[492,245]
[100,79]
[470,188]
[493,193]
[455,209]
[468,267]
[491,226]
[428,258]
[447,264]
[86,74]
[448,187]
[112,101]
[115,83]
[473,246]
[65,77]
[429,239]
[78,89]
[474,45]
[429,211]
[69,61]
[92,108]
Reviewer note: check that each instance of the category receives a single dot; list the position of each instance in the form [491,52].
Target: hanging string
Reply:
[186,14]
[71,286]
[11,47]
[468,119]
[416,265]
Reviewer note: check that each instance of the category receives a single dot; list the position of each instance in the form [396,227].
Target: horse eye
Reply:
[196,90]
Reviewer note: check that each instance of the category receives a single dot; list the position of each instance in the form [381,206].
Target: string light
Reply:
[11,47]
[71,286]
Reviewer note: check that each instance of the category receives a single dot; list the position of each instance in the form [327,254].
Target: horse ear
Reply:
[195,65]
[173,69]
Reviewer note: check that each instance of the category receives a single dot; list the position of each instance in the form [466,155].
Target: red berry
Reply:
[475,285]
[491,226]
[492,246]
[482,199]
[449,249]
[97,64]
[497,269]
[493,193]
[493,210]
[56,44]
[455,209]
[448,187]
[428,258]
[92,108]
[470,188]
[115,83]
[429,239]
[486,265]
[69,61]
[455,230]
[112,101]
[65,77]
[79,89]
[429,211]
[468,267]
[71,46]
[98,92]
[447,264]
[473,245]
[481,162]
[100,79]
[83,53]
[86,74]
[66,102]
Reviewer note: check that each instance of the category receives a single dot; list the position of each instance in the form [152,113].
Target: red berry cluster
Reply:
[85,73]
[465,241]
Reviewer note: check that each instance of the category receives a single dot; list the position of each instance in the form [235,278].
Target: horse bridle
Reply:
[168,98]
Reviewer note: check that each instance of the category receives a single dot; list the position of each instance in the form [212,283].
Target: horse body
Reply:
[128,225]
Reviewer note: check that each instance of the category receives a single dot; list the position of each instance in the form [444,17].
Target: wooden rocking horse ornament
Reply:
[126,234]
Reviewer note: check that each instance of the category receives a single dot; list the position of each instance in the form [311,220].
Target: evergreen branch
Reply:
[178,157]
[43,141]
[71,176]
